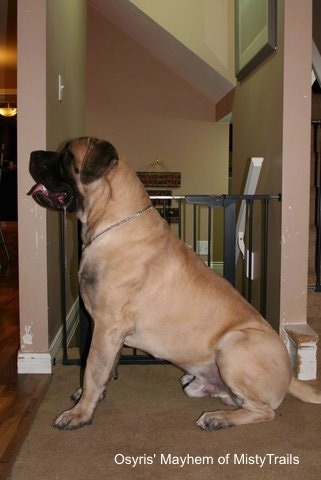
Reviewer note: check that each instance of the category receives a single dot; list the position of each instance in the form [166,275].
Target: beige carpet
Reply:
[147,419]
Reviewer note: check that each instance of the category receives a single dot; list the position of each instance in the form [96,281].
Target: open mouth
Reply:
[48,199]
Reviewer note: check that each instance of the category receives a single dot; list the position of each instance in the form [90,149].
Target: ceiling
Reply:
[164,46]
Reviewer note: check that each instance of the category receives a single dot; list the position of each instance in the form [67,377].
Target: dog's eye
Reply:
[67,156]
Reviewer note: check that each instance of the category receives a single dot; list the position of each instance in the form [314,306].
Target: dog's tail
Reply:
[303,391]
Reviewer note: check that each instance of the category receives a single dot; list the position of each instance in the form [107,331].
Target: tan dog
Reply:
[145,288]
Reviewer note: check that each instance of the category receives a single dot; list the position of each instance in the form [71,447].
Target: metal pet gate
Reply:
[208,223]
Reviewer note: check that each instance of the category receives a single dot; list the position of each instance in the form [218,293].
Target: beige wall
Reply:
[274,102]
[150,113]
[43,123]
[258,107]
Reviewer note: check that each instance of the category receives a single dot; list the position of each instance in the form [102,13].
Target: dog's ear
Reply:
[100,158]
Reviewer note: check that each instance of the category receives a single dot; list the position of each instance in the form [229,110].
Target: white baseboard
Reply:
[42,362]
[34,362]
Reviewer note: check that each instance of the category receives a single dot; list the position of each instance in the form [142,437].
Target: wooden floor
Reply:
[20,395]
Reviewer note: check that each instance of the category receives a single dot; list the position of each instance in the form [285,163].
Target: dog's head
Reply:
[55,172]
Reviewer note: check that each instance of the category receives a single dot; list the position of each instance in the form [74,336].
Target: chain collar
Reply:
[117,224]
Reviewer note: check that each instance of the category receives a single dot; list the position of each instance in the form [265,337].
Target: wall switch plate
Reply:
[60,88]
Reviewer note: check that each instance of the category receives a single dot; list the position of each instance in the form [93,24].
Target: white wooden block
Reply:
[302,346]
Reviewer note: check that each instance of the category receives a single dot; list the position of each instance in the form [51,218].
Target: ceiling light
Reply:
[8,109]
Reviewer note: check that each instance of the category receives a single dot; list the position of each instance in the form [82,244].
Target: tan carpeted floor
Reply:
[146,424]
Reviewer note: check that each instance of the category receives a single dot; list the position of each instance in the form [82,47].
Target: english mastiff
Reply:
[145,288]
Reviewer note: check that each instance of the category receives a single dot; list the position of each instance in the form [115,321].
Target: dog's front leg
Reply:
[100,364]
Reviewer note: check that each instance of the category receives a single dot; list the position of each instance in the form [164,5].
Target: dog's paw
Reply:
[70,420]
[210,421]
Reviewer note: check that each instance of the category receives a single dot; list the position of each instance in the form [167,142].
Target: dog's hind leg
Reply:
[255,367]
[251,412]
[103,354]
